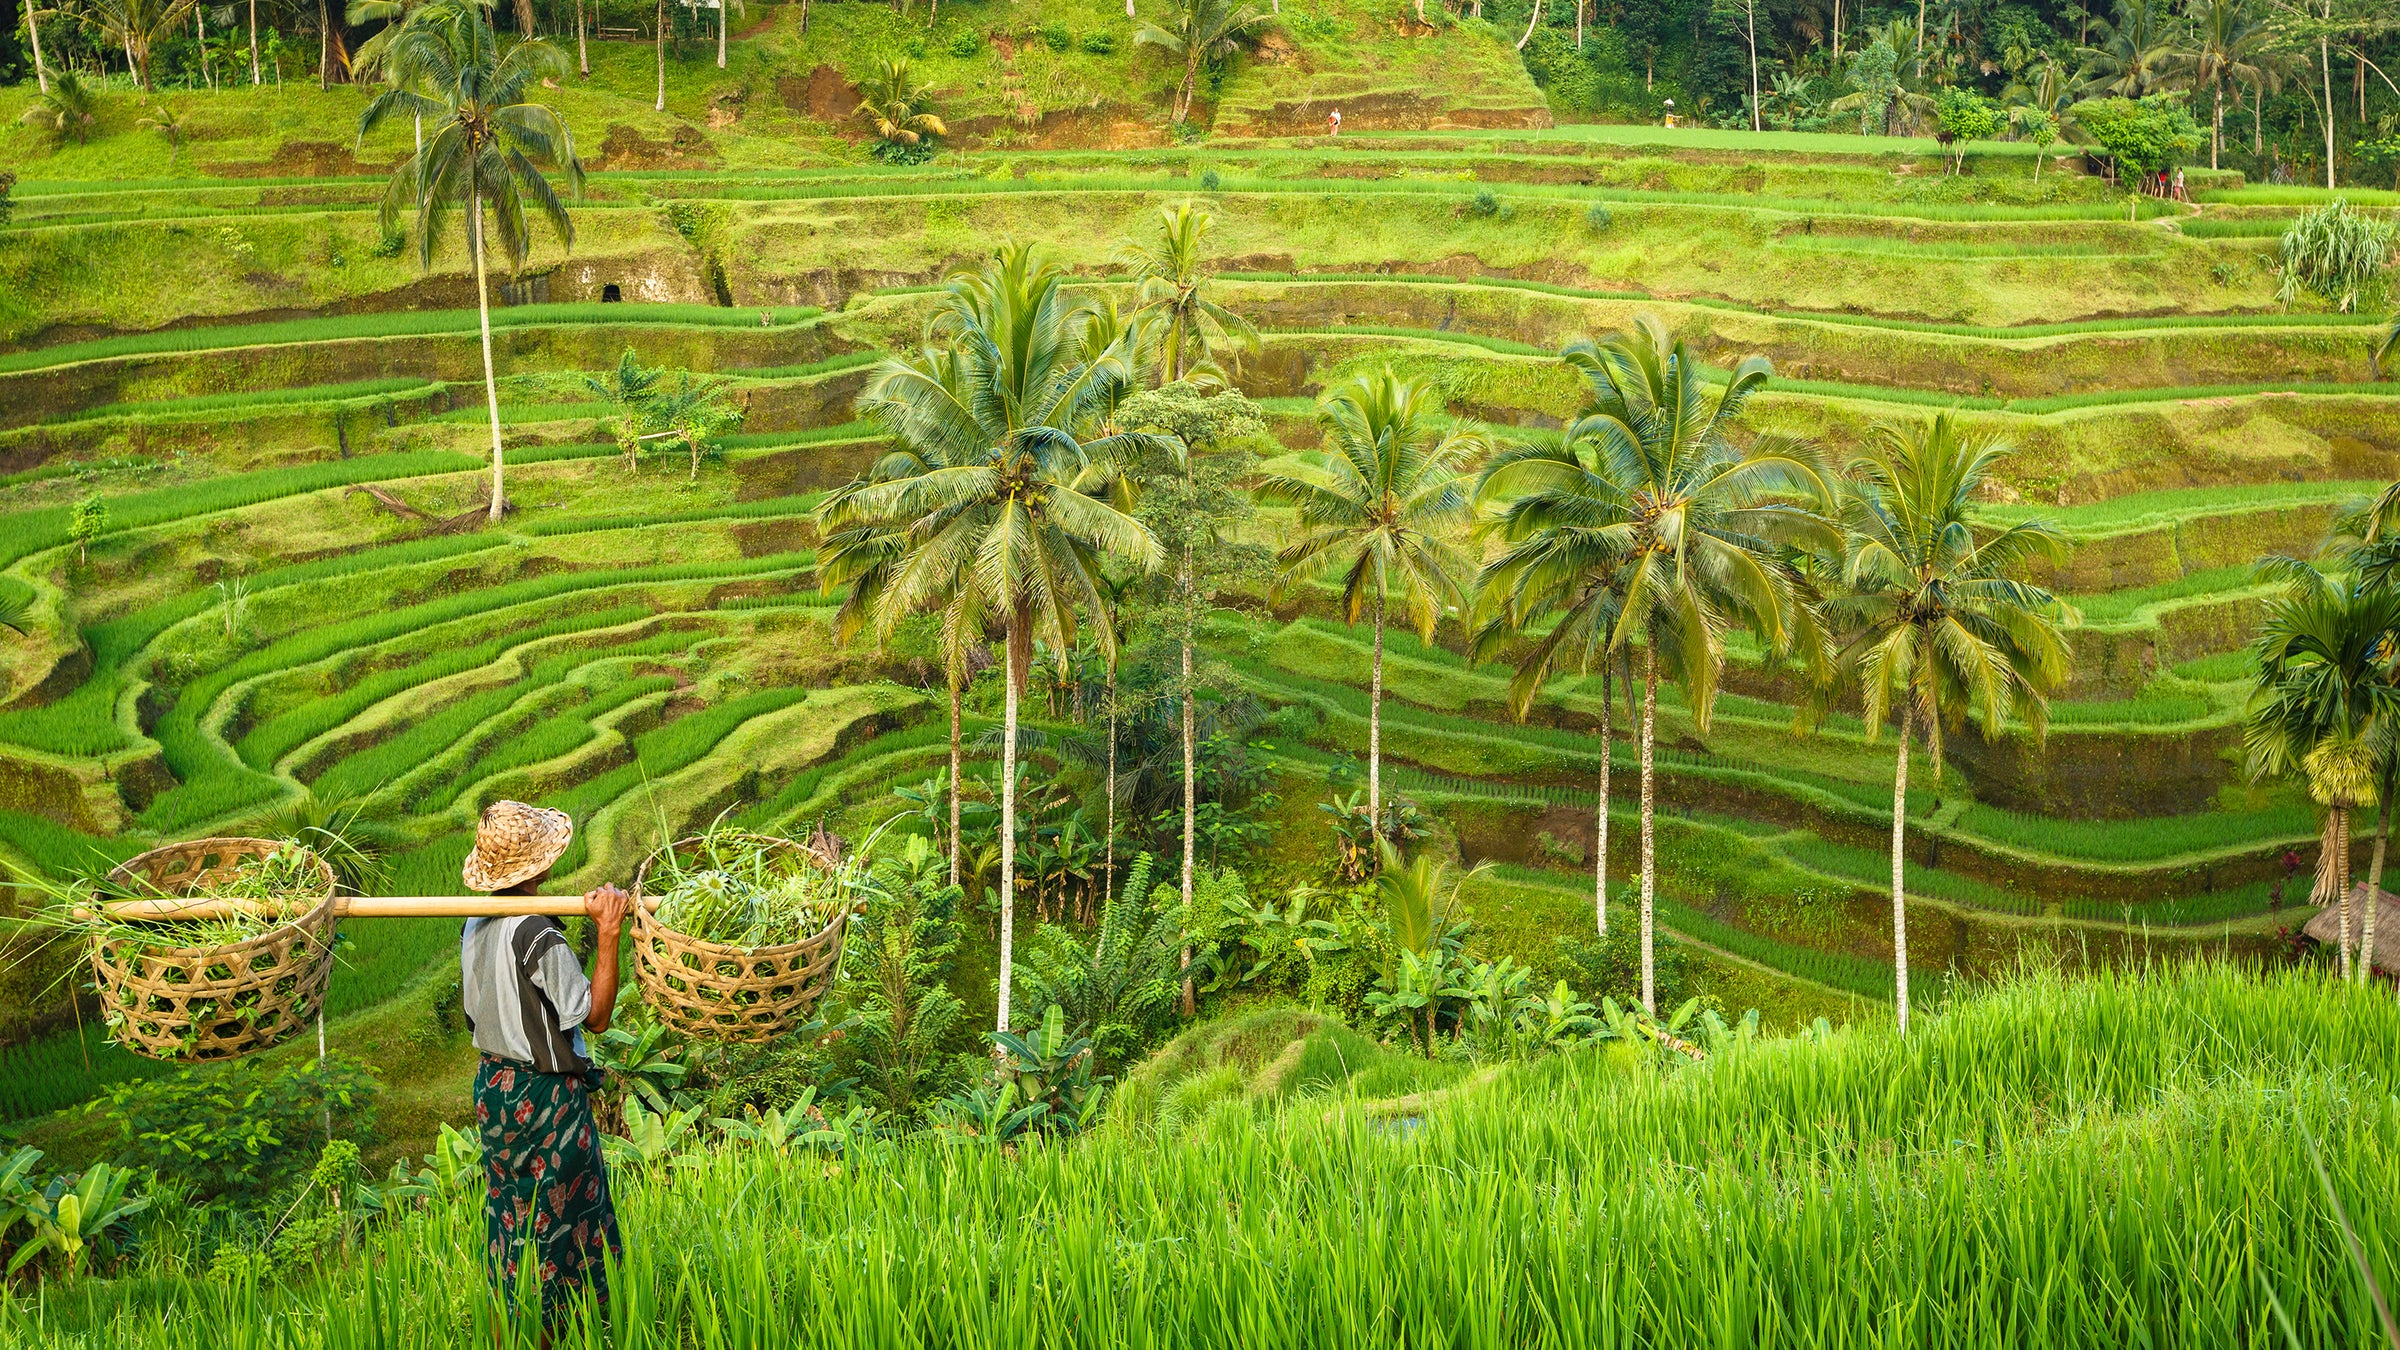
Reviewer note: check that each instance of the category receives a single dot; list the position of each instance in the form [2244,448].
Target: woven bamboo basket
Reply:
[712,991]
[205,1003]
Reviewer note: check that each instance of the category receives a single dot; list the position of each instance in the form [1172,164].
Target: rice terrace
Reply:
[1182,673]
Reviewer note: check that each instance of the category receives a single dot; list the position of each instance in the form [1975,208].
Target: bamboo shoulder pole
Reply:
[364,907]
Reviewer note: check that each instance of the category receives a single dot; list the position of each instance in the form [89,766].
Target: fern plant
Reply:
[898,952]
[1121,988]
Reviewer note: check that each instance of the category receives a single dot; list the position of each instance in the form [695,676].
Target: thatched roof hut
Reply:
[2387,925]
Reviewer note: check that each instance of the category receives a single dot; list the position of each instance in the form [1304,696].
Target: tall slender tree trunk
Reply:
[1531,24]
[483,319]
[2341,877]
[2216,125]
[1190,778]
[1837,31]
[324,47]
[41,68]
[1108,864]
[955,769]
[1750,9]
[2258,121]
[1649,839]
[1579,4]
[583,53]
[1020,657]
[2374,895]
[208,75]
[1191,81]
[2325,59]
[724,12]
[661,106]
[1375,736]
[1908,714]
[1600,818]
[1920,39]
[254,71]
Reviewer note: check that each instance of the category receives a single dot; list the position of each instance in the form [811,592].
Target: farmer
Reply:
[1333,122]
[529,1005]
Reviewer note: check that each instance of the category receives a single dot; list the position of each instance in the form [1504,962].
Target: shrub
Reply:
[1209,181]
[1483,205]
[1101,43]
[1597,217]
[237,1130]
[1057,36]
[966,45]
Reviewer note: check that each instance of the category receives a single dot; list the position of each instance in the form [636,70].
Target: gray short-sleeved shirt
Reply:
[525,992]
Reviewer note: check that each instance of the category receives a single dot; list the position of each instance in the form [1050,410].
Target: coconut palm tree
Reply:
[1174,275]
[2365,544]
[137,27]
[67,110]
[996,494]
[1699,529]
[1932,625]
[2227,41]
[486,151]
[893,101]
[1570,574]
[1378,505]
[2133,54]
[2324,706]
[1200,31]
[695,411]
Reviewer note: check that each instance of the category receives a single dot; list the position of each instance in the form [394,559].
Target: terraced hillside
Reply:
[291,602]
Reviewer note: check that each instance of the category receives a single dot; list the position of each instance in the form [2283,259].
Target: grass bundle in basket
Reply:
[747,930]
[745,890]
[237,981]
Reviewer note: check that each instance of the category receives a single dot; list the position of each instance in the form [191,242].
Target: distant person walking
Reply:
[1333,123]
[528,1004]
[2180,194]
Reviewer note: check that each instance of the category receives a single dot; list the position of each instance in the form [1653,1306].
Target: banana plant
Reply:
[644,1063]
[1561,1019]
[453,1167]
[783,1131]
[73,1212]
[1051,1071]
[652,1140]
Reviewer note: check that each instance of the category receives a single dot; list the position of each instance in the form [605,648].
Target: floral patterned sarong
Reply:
[545,1183]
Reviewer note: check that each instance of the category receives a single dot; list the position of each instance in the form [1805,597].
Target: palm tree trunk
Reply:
[1020,641]
[254,76]
[2325,59]
[661,106]
[41,68]
[1837,30]
[1530,25]
[1375,737]
[1908,713]
[1108,864]
[2374,895]
[1750,8]
[1600,819]
[483,318]
[583,62]
[2341,877]
[1190,777]
[1649,841]
[200,31]
[954,772]
[724,12]
[2216,124]
[324,47]
[1191,79]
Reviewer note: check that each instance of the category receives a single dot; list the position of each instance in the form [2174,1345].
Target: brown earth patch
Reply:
[1380,112]
[303,159]
[823,95]
[626,148]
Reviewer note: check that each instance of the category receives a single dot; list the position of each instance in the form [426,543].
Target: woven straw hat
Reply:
[515,842]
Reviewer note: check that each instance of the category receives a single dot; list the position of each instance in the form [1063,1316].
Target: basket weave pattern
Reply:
[712,991]
[206,1003]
